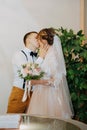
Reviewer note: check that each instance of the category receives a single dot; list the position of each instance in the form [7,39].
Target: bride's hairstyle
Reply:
[46,34]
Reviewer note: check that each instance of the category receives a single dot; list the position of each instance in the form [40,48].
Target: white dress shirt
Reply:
[18,59]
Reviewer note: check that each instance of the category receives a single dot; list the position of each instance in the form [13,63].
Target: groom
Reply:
[27,54]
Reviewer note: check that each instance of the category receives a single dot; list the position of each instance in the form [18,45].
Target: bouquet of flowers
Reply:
[30,71]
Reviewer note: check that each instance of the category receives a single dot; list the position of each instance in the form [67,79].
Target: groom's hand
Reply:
[43,51]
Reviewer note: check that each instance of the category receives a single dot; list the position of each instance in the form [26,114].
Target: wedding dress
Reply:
[53,100]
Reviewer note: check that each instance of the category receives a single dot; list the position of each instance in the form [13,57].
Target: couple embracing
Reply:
[49,95]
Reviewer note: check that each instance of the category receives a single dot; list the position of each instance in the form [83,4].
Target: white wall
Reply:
[20,16]
[55,12]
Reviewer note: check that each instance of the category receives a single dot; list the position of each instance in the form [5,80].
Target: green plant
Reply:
[75,54]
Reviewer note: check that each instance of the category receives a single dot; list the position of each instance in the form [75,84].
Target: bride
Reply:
[52,100]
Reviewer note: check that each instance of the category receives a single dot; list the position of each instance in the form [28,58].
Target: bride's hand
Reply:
[40,82]
[51,81]
[43,51]
[44,82]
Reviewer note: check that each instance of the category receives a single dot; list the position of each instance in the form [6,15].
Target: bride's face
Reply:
[42,42]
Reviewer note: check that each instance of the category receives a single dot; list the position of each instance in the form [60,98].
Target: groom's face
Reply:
[33,40]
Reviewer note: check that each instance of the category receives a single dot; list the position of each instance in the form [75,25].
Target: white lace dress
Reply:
[51,101]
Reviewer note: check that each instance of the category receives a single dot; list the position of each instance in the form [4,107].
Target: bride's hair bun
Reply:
[47,34]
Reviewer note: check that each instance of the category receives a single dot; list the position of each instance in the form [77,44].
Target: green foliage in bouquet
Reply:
[30,71]
[29,77]
[75,54]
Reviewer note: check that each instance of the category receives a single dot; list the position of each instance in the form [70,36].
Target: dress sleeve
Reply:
[57,75]
[39,61]
[57,80]
[56,71]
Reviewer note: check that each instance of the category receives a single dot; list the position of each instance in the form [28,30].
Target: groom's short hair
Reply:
[26,36]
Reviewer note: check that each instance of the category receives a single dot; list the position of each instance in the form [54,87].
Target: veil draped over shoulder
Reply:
[59,55]
[61,73]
